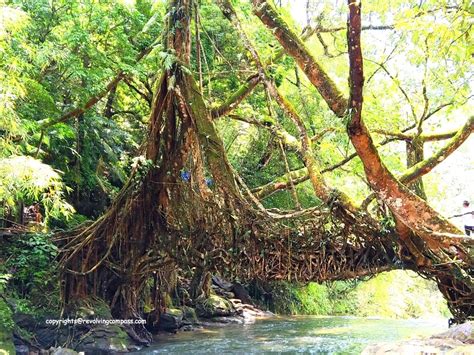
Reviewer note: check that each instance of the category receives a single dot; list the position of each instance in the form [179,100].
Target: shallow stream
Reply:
[300,334]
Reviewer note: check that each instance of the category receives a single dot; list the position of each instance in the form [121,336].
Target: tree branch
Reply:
[237,97]
[412,211]
[296,48]
[96,98]
[425,166]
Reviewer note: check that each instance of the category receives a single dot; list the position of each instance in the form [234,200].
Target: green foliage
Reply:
[6,321]
[285,298]
[31,262]
[397,294]
[314,299]
[142,166]
[27,179]
[400,294]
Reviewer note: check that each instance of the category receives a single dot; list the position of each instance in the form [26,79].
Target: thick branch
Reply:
[281,183]
[91,102]
[237,97]
[406,206]
[423,137]
[427,165]
[296,48]
[319,29]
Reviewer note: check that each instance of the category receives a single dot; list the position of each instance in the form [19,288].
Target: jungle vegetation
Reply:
[296,141]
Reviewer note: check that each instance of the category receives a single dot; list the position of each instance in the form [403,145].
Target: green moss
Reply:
[190,314]
[120,340]
[214,306]
[175,312]
[91,308]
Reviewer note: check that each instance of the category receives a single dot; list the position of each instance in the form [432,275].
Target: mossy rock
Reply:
[102,339]
[171,320]
[90,308]
[214,306]
[189,314]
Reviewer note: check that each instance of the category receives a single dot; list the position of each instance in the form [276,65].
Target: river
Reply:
[300,334]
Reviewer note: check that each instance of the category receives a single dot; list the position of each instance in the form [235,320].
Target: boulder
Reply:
[462,332]
[457,340]
[20,350]
[241,293]
[221,283]
[111,339]
[63,351]
[171,320]
[189,315]
[214,306]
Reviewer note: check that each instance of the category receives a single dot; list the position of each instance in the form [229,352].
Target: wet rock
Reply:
[99,340]
[429,346]
[63,351]
[46,336]
[21,350]
[241,293]
[221,283]
[189,315]
[457,340]
[171,320]
[133,348]
[220,292]
[227,320]
[214,306]
[187,328]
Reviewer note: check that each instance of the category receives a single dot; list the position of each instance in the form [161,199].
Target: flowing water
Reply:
[301,334]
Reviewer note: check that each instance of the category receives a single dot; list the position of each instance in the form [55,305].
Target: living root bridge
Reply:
[164,221]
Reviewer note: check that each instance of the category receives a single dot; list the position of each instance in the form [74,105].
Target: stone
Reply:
[189,315]
[63,351]
[171,320]
[46,336]
[241,293]
[457,340]
[462,332]
[214,306]
[22,350]
[109,339]
[221,283]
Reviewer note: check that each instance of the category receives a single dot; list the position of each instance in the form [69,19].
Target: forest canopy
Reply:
[222,128]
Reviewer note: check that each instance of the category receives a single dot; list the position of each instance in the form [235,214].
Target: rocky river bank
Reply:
[225,303]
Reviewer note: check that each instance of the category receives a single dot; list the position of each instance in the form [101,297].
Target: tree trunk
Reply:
[415,154]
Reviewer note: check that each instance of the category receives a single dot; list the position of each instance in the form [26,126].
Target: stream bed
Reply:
[299,334]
